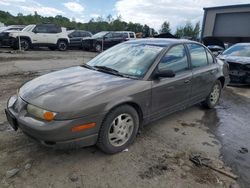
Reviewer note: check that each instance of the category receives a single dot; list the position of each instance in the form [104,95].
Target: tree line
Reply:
[100,24]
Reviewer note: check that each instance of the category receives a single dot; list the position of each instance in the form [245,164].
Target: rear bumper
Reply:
[56,134]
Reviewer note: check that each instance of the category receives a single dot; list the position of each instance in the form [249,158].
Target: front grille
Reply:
[234,66]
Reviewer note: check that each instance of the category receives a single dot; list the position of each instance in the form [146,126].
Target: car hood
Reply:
[235,59]
[71,88]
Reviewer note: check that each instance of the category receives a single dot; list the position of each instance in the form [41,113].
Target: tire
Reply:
[62,45]
[25,44]
[118,130]
[98,47]
[214,96]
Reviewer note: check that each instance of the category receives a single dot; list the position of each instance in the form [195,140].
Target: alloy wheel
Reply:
[215,94]
[121,130]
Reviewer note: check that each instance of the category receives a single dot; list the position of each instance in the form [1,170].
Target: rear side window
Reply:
[175,60]
[198,55]
[54,29]
[131,35]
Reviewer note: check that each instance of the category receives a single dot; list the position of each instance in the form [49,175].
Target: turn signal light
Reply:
[79,128]
[48,116]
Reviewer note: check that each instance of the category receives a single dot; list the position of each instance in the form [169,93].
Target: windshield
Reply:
[242,50]
[28,28]
[128,59]
[99,35]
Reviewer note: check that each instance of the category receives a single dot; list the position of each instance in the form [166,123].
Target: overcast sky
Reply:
[149,12]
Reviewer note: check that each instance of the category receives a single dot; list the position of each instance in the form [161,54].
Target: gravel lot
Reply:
[158,158]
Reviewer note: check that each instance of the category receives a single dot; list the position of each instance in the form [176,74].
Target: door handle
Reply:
[186,81]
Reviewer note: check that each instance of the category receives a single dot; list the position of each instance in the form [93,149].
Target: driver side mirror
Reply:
[165,74]
[35,31]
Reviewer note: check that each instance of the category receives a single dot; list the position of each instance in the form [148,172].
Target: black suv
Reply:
[106,39]
[76,37]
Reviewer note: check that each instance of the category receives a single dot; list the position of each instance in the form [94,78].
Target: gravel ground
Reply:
[158,158]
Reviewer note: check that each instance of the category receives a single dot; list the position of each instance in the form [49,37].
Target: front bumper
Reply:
[239,77]
[56,133]
[7,41]
[239,74]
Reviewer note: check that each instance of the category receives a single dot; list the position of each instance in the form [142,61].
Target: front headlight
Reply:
[40,113]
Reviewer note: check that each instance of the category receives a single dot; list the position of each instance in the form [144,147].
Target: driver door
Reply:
[171,94]
[39,35]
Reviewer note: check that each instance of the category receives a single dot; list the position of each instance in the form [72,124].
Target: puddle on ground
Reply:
[229,122]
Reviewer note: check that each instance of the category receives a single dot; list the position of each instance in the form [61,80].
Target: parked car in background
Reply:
[107,100]
[214,44]
[106,39]
[42,35]
[76,37]
[4,31]
[238,58]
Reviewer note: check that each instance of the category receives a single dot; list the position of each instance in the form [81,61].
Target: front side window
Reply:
[175,60]
[198,55]
[128,59]
[41,29]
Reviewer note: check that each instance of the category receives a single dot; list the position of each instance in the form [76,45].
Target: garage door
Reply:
[232,25]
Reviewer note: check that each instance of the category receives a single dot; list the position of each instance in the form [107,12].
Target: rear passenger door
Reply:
[53,33]
[204,71]
[117,38]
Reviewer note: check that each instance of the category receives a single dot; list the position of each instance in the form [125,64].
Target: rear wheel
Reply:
[119,129]
[62,45]
[214,96]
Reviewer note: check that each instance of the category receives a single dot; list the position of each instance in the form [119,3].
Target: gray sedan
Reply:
[106,101]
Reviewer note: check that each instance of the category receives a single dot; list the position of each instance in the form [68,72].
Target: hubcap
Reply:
[215,94]
[121,130]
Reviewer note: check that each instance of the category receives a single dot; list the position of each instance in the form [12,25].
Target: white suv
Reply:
[47,35]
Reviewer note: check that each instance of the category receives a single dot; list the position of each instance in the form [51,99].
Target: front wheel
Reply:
[98,47]
[119,129]
[214,96]
[24,44]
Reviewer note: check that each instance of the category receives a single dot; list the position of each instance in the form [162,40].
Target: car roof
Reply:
[160,41]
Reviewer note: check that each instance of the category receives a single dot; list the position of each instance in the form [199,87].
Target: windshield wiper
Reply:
[88,66]
[113,71]
[106,69]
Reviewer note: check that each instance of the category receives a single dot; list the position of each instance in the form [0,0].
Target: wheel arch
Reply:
[24,37]
[63,39]
[222,81]
[133,104]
